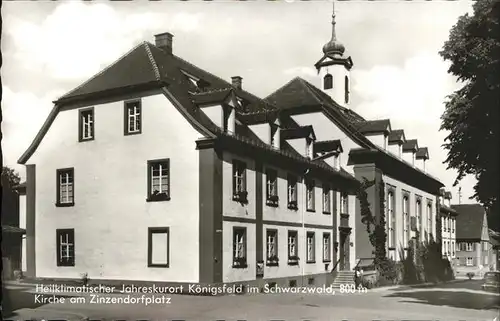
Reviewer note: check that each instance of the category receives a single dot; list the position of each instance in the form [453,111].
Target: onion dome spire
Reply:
[333,47]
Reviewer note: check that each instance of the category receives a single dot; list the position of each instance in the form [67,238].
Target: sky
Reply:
[52,47]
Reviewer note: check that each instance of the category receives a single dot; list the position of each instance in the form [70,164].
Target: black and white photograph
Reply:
[250,160]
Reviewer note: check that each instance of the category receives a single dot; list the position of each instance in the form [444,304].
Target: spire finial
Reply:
[333,47]
[334,36]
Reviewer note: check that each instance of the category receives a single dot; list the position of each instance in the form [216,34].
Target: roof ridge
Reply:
[102,71]
[203,70]
[215,90]
[156,70]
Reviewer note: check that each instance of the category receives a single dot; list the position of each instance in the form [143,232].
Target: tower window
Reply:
[328,82]
[346,79]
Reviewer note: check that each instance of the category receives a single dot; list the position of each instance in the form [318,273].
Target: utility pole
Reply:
[460,195]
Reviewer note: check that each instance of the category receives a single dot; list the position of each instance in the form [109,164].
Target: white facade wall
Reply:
[111,216]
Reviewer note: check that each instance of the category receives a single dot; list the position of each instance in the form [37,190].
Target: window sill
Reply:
[311,210]
[158,265]
[65,204]
[327,261]
[240,266]
[82,140]
[391,248]
[327,213]
[271,203]
[311,262]
[159,198]
[293,206]
[272,264]
[66,264]
[133,133]
[293,263]
[240,199]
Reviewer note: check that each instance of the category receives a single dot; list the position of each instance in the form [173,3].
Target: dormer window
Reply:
[346,83]
[328,82]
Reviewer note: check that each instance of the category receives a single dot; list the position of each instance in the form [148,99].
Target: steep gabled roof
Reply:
[469,220]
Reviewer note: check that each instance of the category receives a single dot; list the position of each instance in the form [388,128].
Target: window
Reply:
[391,219]
[272,188]
[239,247]
[310,195]
[86,124]
[327,203]
[344,203]
[132,117]
[406,221]
[65,187]
[327,248]
[446,251]
[469,247]
[328,82]
[346,81]
[239,181]
[311,258]
[469,261]
[65,247]
[158,180]
[453,225]
[158,246]
[293,258]
[485,246]
[292,192]
[485,260]
[452,248]
[272,248]
[429,219]
[419,215]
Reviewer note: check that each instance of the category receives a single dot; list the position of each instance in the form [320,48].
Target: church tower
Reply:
[334,69]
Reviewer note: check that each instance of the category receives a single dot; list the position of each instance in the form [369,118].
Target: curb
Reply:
[413,286]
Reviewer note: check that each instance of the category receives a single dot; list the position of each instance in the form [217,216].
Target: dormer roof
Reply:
[326,146]
[397,136]
[380,126]
[299,132]
[410,146]
[259,117]
[422,153]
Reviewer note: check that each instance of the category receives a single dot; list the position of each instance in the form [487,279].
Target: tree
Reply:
[11,176]
[472,112]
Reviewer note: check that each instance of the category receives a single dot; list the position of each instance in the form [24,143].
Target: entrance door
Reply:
[342,252]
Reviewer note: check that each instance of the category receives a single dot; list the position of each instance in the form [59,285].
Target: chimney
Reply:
[164,42]
[236,81]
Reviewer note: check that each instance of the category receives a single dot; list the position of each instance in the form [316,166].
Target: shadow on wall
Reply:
[463,300]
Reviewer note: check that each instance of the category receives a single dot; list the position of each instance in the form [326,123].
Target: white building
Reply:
[156,170]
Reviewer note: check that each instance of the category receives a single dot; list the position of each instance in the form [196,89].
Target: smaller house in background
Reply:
[12,233]
[448,226]
[474,250]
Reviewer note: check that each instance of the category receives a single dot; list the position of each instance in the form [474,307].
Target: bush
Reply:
[470,275]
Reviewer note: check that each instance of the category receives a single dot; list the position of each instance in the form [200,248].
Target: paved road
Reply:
[457,301]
